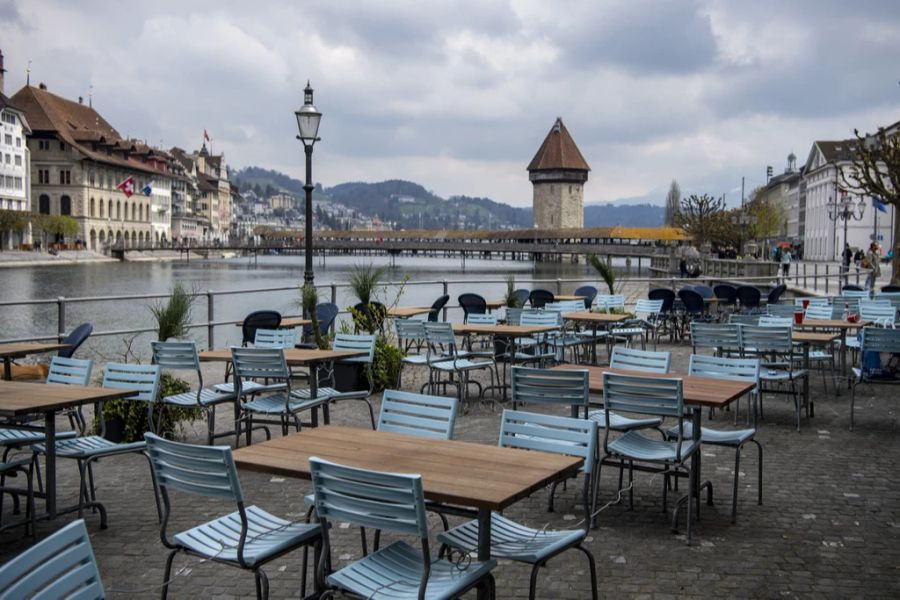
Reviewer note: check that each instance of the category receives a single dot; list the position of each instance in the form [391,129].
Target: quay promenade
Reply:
[829,526]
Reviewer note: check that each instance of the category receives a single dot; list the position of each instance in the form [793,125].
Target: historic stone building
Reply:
[15,180]
[78,160]
[558,172]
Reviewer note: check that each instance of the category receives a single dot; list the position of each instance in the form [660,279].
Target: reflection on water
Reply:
[110,279]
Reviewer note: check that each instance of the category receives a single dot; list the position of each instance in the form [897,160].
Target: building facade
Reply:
[15,161]
[78,163]
[558,173]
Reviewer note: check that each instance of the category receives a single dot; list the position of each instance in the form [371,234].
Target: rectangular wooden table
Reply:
[19,399]
[839,325]
[21,349]
[404,312]
[461,474]
[294,357]
[291,322]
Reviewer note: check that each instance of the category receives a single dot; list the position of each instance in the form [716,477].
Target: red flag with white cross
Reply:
[127,186]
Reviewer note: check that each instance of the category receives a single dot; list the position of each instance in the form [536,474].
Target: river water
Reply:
[126,278]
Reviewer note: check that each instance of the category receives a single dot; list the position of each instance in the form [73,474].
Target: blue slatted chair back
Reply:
[207,471]
[539,317]
[259,363]
[720,367]
[59,566]
[486,319]
[548,433]
[647,309]
[851,303]
[892,297]
[565,306]
[781,310]
[819,312]
[812,301]
[847,293]
[386,501]
[640,360]
[176,356]
[440,334]
[556,387]
[880,313]
[70,371]
[360,343]
[662,397]
[878,339]
[409,331]
[418,414]
[142,378]
[513,316]
[739,319]
[757,338]
[770,321]
[719,336]
[275,338]
[608,302]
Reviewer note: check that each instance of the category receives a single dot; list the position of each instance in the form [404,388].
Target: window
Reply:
[43,144]
[44,204]
[9,181]
[91,213]
[44,176]
[101,208]
[65,205]
[8,159]
[7,139]
[18,142]
[65,177]
[18,183]
[62,146]
[18,160]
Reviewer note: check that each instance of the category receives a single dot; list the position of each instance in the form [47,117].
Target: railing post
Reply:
[334,293]
[673,284]
[558,286]
[826,278]
[210,318]
[60,318]
[446,293]
[804,275]
[816,277]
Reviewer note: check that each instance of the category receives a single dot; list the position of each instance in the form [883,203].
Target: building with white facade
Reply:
[823,236]
[784,190]
[15,168]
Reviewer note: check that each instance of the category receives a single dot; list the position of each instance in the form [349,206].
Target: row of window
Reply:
[10,158]
[12,183]
[13,204]
[45,145]
[9,118]
[8,140]
[65,177]
[139,212]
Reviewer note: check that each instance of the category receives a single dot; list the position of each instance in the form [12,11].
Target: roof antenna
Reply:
[91,96]
[28,74]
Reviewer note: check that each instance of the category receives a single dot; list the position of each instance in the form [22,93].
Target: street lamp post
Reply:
[308,119]
[845,210]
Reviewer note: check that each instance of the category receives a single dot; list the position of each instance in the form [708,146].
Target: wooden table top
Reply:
[294,322]
[20,349]
[461,473]
[293,356]
[567,297]
[832,324]
[19,398]
[495,303]
[408,311]
[595,317]
[703,391]
[501,330]
[814,338]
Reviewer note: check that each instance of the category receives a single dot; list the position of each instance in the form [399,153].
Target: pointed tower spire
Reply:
[558,172]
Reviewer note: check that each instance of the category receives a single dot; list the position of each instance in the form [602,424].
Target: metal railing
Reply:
[823,280]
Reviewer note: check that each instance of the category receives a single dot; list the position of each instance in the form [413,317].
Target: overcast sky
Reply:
[458,95]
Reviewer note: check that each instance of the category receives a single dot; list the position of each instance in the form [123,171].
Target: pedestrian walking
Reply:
[786,262]
[873,257]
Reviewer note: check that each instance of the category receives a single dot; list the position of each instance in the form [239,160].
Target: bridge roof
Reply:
[665,234]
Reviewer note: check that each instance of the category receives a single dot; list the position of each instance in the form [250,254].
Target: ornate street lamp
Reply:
[308,119]
[845,210]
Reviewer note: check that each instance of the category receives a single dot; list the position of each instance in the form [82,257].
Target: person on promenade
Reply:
[786,262]
[874,259]
[857,259]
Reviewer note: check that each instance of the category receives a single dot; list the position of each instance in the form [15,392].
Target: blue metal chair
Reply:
[417,414]
[539,343]
[568,337]
[775,294]
[610,302]
[144,379]
[722,338]
[436,307]
[749,298]
[522,296]
[668,319]
[182,356]
[811,301]
[773,321]
[443,357]
[781,310]
[326,313]
[247,538]
[645,322]
[520,543]
[61,565]
[659,398]
[726,295]
[873,342]
[589,292]
[738,369]
[410,335]
[773,345]
[276,399]
[743,319]
[552,387]
[25,468]
[633,360]
[390,502]
[275,338]
[260,319]
[514,315]
[819,311]
[75,339]
[327,380]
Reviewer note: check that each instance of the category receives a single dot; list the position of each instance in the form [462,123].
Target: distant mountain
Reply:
[411,206]
[626,215]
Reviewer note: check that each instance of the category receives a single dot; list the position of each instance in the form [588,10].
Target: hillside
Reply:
[411,206]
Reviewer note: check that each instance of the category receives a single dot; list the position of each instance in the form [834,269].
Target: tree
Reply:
[768,218]
[12,220]
[673,201]
[700,216]
[875,171]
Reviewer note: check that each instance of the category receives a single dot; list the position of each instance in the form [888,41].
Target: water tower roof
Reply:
[558,152]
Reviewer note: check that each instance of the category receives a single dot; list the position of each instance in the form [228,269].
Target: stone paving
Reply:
[829,526]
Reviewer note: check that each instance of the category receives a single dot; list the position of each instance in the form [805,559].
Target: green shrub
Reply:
[134,413]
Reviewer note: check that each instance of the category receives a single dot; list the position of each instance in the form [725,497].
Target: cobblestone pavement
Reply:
[829,526]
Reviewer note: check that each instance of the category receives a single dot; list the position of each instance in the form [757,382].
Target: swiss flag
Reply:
[127,186]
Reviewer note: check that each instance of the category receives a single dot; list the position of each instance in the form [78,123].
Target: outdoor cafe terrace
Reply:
[828,525]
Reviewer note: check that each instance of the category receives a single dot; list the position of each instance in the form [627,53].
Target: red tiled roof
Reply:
[75,124]
[558,152]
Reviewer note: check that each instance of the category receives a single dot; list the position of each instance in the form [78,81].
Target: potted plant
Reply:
[126,420]
[309,300]
[510,300]
[606,272]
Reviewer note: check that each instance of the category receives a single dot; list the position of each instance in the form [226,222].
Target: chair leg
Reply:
[690,505]
[759,484]
[592,567]
[532,586]
[734,490]
[167,574]
[852,402]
